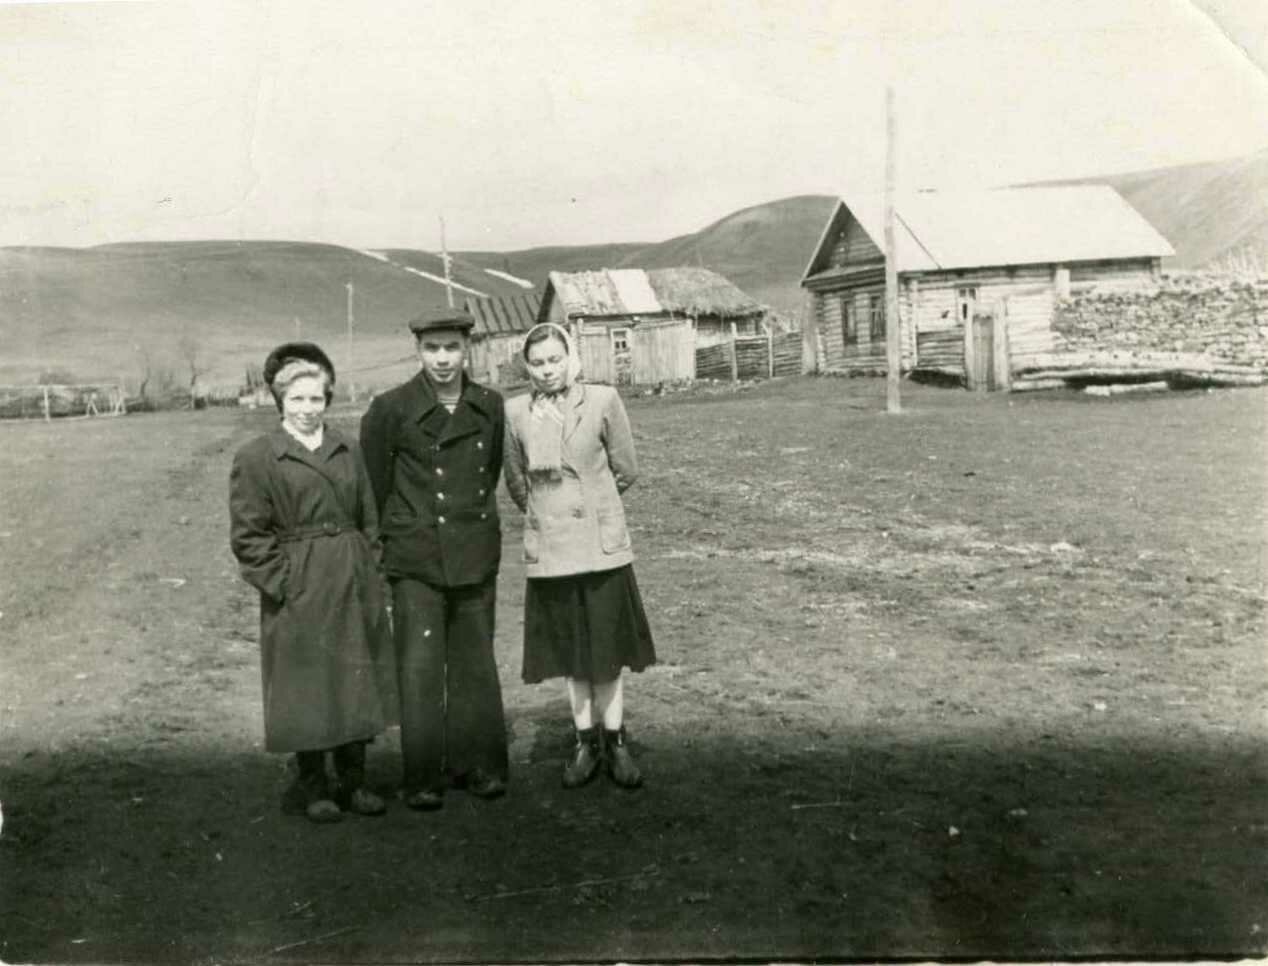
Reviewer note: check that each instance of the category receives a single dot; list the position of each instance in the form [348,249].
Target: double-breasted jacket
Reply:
[434,476]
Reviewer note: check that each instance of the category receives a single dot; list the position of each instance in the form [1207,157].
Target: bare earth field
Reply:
[986,679]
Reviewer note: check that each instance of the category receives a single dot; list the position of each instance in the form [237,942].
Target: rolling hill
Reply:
[1211,213]
[89,312]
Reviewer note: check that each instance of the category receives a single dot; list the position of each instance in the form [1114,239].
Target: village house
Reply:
[643,326]
[979,274]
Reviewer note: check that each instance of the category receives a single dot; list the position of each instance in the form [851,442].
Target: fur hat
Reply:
[290,351]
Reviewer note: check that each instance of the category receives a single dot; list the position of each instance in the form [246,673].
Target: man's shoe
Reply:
[621,767]
[424,800]
[483,785]
[584,764]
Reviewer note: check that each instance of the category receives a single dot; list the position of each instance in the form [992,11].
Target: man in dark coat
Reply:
[433,448]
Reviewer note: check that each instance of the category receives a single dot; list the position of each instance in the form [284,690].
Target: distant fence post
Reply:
[735,359]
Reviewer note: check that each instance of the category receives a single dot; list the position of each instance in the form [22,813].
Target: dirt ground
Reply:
[985,679]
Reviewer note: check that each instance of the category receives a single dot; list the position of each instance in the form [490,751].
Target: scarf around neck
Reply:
[544,440]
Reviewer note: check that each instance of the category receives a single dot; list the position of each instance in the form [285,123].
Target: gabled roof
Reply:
[635,291]
[1002,226]
[504,315]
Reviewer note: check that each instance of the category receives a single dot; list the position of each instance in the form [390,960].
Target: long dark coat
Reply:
[304,529]
[435,478]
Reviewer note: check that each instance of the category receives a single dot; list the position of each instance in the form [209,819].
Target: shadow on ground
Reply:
[759,845]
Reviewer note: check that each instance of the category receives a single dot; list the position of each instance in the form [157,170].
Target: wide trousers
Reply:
[452,721]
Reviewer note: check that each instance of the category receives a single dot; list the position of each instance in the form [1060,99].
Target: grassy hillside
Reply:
[94,313]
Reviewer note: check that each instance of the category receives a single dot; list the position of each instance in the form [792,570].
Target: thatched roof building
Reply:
[627,295]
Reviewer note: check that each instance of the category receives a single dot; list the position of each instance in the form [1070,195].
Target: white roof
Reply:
[1008,226]
[611,291]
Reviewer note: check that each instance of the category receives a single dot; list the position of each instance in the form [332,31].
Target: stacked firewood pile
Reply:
[1193,329]
[1220,317]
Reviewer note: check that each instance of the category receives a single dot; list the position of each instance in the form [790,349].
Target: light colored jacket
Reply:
[575,524]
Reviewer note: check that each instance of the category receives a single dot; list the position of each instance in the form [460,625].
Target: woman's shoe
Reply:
[324,811]
[584,764]
[352,795]
[621,767]
[362,801]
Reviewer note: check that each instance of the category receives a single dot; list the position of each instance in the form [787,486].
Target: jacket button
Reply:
[440,496]
[481,469]
[482,491]
[479,444]
[440,519]
[439,471]
[484,516]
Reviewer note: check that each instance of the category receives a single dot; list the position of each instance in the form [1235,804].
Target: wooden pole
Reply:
[893,333]
[351,291]
[735,358]
[444,257]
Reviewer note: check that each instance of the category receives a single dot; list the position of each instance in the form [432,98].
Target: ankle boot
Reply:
[621,767]
[584,763]
[309,793]
[353,796]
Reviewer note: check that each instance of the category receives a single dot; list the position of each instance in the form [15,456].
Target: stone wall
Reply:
[1219,316]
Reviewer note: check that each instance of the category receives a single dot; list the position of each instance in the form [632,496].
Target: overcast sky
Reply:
[558,123]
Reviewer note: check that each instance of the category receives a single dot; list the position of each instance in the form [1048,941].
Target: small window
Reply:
[621,340]
[965,299]
[876,323]
[849,320]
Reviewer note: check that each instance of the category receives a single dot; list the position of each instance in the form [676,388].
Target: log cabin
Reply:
[978,276]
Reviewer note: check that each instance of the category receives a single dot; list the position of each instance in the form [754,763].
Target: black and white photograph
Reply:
[666,481]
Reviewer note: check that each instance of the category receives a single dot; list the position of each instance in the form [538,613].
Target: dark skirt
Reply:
[586,626]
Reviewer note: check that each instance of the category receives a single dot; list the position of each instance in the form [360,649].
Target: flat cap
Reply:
[438,319]
[307,351]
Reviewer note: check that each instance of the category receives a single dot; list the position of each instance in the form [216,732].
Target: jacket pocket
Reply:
[613,534]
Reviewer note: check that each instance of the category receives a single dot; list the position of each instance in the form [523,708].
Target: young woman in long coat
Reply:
[304,530]
[569,455]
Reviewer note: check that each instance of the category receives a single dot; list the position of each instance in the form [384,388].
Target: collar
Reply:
[283,443]
[423,396]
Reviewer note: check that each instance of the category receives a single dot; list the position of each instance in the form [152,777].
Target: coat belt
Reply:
[328,529]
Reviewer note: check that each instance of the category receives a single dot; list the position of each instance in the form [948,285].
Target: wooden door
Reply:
[979,362]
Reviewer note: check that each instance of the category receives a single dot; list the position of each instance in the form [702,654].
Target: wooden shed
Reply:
[498,336]
[639,327]
[978,275]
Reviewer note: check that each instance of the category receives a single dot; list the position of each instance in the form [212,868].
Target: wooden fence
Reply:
[751,357]
[47,401]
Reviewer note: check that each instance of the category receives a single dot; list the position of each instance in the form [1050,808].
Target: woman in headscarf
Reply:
[569,456]
[304,529]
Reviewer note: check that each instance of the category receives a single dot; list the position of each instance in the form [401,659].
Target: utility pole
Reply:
[893,333]
[348,363]
[444,257]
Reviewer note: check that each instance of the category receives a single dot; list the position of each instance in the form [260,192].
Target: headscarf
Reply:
[544,440]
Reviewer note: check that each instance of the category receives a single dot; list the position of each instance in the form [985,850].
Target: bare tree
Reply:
[145,365]
[191,351]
